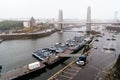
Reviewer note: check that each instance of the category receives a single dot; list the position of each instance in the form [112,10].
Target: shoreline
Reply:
[26,35]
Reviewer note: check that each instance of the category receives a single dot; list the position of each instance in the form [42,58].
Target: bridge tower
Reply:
[88,24]
[60,19]
[116,16]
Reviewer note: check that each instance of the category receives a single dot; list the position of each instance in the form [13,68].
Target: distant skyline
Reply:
[72,9]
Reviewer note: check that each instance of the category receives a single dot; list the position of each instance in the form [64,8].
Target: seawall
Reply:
[26,35]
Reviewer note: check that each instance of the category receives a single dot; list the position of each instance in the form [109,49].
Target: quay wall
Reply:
[26,36]
[113,28]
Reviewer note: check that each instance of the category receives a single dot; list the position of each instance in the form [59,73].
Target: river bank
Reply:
[113,28]
[114,73]
[27,35]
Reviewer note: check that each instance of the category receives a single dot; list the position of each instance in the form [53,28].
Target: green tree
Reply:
[7,25]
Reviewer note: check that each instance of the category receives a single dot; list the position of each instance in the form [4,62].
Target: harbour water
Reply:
[16,53]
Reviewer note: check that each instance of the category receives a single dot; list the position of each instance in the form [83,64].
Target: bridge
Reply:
[83,22]
[61,23]
[88,22]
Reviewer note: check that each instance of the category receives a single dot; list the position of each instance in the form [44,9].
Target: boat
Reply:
[20,72]
[51,55]
[43,54]
[79,38]
[72,44]
[76,43]
[88,40]
[59,47]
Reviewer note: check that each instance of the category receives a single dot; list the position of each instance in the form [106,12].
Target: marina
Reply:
[52,55]
[67,51]
[49,56]
[79,42]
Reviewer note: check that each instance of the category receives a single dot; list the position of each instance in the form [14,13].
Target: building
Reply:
[32,22]
[26,24]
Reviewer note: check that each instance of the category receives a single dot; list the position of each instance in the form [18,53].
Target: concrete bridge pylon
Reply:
[88,22]
[60,19]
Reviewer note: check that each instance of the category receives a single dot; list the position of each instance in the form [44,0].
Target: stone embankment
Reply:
[113,28]
[26,35]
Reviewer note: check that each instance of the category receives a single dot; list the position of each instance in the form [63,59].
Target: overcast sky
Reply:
[101,9]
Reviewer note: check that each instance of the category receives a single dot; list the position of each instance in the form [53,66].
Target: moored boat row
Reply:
[68,47]
[49,56]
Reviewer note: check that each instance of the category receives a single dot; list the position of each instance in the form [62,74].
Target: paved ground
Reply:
[99,60]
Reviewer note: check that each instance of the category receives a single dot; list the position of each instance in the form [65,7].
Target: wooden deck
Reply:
[18,72]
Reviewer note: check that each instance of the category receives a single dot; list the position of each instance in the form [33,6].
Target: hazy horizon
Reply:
[72,9]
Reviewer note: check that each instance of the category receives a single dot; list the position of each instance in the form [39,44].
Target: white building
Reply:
[26,24]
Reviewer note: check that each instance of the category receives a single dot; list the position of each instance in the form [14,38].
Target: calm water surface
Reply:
[16,53]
